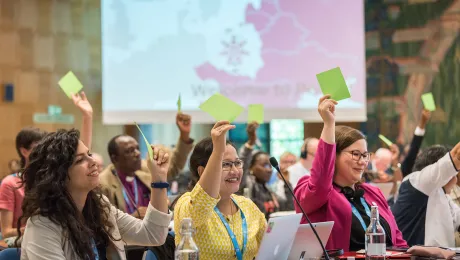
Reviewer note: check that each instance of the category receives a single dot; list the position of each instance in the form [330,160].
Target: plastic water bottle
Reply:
[187,249]
[375,237]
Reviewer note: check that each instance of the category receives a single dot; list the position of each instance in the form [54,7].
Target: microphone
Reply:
[274,163]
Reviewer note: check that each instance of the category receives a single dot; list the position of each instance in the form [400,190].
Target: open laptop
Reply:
[305,245]
[279,235]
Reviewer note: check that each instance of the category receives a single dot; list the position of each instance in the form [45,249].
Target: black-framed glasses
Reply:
[227,166]
[357,155]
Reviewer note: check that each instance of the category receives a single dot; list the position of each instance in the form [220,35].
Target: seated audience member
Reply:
[333,187]
[14,166]
[11,195]
[303,166]
[67,215]
[403,169]
[124,183]
[183,147]
[411,153]
[424,211]
[247,151]
[260,171]
[217,213]
[287,159]
[280,189]
[400,170]
[380,164]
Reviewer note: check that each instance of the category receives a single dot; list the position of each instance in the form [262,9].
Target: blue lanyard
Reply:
[127,199]
[357,215]
[96,253]
[239,253]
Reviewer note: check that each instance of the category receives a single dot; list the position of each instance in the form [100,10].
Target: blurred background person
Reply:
[303,166]
[279,188]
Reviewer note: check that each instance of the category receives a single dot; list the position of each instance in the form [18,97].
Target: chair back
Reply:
[10,254]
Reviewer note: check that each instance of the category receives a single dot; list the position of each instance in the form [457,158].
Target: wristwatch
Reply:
[159,185]
[397,167]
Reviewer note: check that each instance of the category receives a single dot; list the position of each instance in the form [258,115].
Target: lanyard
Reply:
[358,216]
[239,253]
[128,201]
[96,253]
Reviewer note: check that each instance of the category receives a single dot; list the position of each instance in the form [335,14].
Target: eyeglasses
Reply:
[227,166]
[357,155]
[266,166]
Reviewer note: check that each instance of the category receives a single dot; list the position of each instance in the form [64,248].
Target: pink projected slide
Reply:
[252,51]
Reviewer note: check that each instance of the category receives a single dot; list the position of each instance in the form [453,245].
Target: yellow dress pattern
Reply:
[211,235]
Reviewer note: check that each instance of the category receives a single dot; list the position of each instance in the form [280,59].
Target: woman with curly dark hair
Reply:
[69,218]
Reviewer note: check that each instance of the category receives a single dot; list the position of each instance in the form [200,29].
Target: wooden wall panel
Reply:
[40,40]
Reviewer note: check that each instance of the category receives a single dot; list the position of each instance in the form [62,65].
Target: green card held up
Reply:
[70,84]
[428,101]
[179,104]
[256,113]
[149,148]
[221,108]
[333,83]
[385,140]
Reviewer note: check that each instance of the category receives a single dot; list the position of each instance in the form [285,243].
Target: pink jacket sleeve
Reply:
[313,191]
[398,240]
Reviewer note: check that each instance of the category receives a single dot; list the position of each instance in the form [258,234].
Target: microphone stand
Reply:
[274,163]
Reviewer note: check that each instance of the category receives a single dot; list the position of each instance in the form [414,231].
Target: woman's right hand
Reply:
[219,136]
[326,109]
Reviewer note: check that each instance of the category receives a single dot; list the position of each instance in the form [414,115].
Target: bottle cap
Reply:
[186,226]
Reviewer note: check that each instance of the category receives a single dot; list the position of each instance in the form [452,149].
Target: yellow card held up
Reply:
[333,83]
[221,108]
[385,140]
[70,84]
[149,148]
[256,113]
[428,102]
[179,104]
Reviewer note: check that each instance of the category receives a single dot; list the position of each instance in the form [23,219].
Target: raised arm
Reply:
[313,191]
[199,204]
[153,229]
[438,174]
[212,173]
[416,143]
[184,146]
[86,109]
[247,149]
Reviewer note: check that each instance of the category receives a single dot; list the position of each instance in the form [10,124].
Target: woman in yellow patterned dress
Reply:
[227,226]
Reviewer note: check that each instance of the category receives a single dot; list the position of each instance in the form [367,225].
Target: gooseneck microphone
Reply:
[274,163]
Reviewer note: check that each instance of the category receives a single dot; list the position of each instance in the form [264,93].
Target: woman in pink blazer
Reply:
[333,187]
